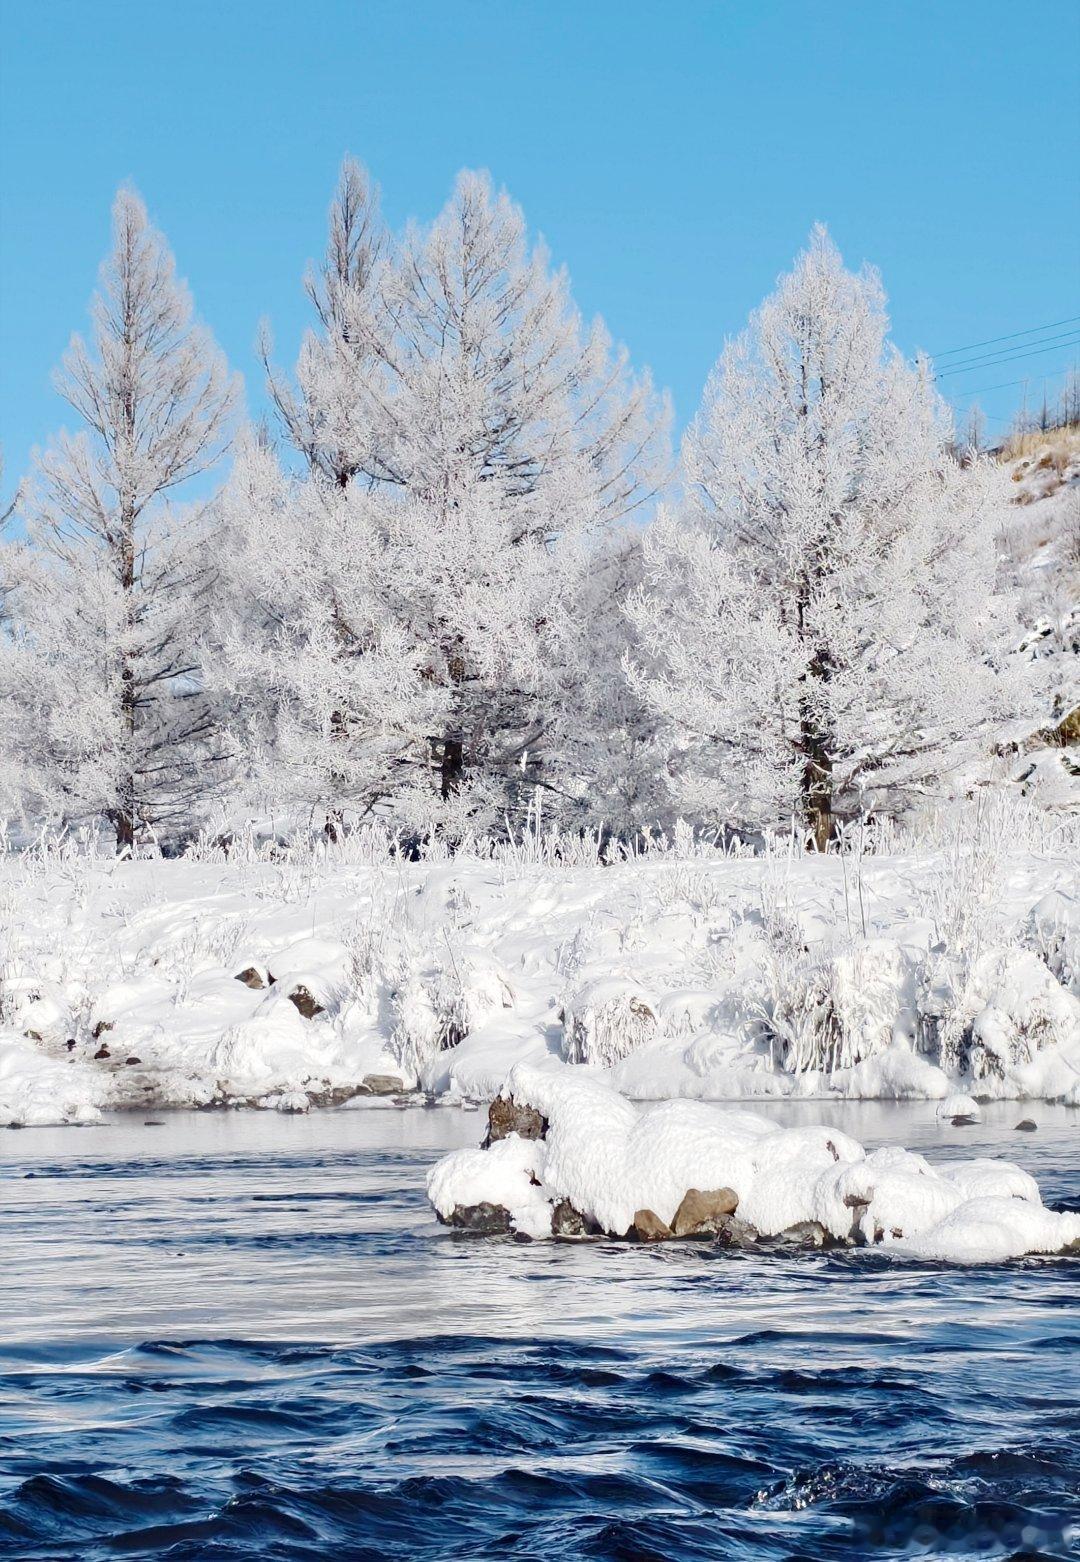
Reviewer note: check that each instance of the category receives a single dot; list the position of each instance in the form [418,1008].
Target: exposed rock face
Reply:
[380,1085]
[336,1095]
[566,1221]
[648,1227]
[806,1233]
[700,1213]
[506,1117]
[485,1219]
[1027,1125]
[251,976]
[101,1027]
[304,1001]
[736,1233]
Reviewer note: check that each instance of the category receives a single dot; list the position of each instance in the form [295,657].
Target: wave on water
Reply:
[212,1357]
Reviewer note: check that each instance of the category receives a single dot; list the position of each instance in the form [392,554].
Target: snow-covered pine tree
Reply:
[821,606]
[517,433]
[605,754]
[330,415]
[320,683]
[107,601]
[472,432]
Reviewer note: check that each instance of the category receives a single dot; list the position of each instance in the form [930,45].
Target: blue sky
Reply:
[674,156]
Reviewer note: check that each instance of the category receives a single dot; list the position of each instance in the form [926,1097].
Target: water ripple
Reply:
[242,1337]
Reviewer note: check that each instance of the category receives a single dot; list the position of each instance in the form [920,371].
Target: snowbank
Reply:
[636,1174]
[304,978]
[38,1090]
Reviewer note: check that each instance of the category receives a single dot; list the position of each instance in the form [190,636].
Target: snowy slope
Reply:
[1040,569]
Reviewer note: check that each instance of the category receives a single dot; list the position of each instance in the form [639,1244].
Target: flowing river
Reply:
[244,1335]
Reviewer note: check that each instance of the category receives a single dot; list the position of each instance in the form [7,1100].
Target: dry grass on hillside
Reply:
[1043,461]
[1052,447]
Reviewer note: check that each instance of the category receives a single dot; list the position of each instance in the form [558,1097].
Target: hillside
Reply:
[1040,564]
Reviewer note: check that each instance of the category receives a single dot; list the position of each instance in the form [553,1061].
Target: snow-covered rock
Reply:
[960,1106]
[629,1173]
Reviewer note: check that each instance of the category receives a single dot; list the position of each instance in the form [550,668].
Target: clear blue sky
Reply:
[674,156]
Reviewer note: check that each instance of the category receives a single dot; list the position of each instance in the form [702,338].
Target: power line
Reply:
[990,363]
[1003,354]
[1012,335]
[1005,385]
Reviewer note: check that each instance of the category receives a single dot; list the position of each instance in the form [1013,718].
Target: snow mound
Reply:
[960,1106]
[606,1020]
[628,1173]
[1012,1008]
[35,1089]
[839,1011]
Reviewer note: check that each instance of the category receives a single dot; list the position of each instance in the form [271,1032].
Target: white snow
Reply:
[611,1160]
[705,976]
[35,1089]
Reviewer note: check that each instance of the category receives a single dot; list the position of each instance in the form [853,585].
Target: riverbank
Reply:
[303,978]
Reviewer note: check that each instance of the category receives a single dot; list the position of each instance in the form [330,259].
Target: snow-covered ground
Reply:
[304,978]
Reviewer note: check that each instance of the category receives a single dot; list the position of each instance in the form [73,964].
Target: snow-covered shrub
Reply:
[1006,1009]
[381,948]
[607,1019]
[437,1006]
[835,1011]
[34,1006]
[1053,933]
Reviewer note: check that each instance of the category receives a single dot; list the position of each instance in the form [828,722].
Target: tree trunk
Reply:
[451,767]
[124,817]
[816,749]
[452,759]
[817,805]
[123,820]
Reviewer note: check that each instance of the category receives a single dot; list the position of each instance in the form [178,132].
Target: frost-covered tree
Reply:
[463,432]
[321,685]
[820,608]
[107,602]
[332,415]
[606,755]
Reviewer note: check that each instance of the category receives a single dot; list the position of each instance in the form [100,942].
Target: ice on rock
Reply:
[615,1166]
[960,1106]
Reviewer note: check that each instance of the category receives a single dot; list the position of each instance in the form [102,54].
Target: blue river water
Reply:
[243,1335]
